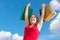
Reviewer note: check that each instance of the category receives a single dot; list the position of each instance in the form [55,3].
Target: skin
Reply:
[33,17]
[33,20]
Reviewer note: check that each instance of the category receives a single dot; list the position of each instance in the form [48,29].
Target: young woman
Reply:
[33,25]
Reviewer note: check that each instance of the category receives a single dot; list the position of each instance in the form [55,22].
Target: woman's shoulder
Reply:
[27,25]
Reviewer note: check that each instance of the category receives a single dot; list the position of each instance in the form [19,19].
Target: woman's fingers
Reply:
[43,5]
[43,9]
[28,4]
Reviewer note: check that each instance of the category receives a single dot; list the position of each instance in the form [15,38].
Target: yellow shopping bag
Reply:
[49,13]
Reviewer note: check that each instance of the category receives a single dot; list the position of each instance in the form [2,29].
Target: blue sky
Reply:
[10,12]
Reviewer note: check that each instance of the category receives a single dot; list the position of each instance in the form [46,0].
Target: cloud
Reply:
[4,35]
[55,4]
[55,25]
[17,37]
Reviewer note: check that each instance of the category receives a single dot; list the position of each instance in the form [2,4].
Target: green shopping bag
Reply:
[23,13]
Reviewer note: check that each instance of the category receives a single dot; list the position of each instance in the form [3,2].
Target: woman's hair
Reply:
[36,19]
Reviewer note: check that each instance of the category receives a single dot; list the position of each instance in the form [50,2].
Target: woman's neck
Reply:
[32,25]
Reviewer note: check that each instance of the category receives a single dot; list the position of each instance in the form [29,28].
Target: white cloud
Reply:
[55,25]
[55,4]
[17,37]
[4,35]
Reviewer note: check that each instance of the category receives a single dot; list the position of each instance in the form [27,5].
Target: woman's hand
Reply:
[28,5]
[43,9]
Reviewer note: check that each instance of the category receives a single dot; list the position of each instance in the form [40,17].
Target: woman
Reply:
[33,25]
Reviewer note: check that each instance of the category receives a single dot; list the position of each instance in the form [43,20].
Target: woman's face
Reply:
[33,19]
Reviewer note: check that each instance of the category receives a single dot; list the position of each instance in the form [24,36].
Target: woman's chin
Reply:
[32,23]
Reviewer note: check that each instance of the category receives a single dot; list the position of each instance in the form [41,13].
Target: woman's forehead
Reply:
[33,15]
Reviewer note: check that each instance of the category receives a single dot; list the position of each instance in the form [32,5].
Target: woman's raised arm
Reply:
[41,18]
[26,13]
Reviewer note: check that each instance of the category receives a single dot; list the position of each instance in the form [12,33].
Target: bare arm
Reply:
[26,14]
[41,18]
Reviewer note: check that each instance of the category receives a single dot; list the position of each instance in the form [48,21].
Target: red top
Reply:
[31,33]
